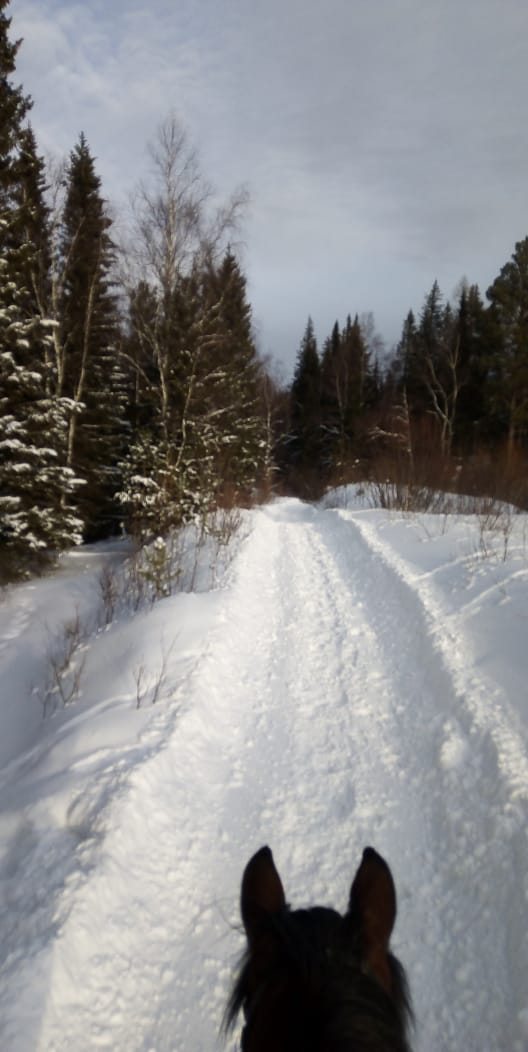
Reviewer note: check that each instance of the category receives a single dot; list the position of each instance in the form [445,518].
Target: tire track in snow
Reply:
[483,703]
[322,717]
[476,793]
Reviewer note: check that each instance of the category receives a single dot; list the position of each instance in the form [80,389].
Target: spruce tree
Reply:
[439,364]
[305,410]
[332,399]
[140,358]
[34,219]
[403,367]
[165,467]
[37,489]
[358,368]
[508,297]
[233,390]
[14,106]
[431,319]
[91,369]
[36,486]
[472,332]
[201,428]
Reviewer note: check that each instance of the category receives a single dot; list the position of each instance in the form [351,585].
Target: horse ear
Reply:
[262,892]
[372,909]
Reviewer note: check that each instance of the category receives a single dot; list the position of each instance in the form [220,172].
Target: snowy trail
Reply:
[330,709]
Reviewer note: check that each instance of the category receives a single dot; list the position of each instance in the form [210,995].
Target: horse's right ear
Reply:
[262,893]
[372,910]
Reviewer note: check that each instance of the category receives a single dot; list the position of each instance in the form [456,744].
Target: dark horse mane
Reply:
[313,980]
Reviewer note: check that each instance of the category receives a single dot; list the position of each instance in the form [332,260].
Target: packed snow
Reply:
[340,675]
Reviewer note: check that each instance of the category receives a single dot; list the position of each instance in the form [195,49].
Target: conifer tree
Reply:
[431,319]
[305,407]
[508,297]
[402,371]
[199,372]
[139,353]
[333,396]
[426,364]
[30,195]
[358,358]
[349,386]
[419,344]
[14,106]
[161,476]
[37,502]
[36,517]
[473,333]
[439,364]
[233,394]
[91,373]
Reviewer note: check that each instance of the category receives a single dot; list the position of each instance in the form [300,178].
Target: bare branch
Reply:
[175,221]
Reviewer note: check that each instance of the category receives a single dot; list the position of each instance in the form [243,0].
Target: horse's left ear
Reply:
[372,910]
[262,893]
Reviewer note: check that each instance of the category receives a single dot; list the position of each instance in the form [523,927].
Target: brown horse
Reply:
[314,981]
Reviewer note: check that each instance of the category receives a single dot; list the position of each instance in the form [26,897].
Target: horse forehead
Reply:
[324,915]
[319,923]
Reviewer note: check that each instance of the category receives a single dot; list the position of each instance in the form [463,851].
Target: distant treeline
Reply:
[453,398]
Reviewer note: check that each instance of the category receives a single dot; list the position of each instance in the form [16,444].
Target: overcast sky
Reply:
[384,142]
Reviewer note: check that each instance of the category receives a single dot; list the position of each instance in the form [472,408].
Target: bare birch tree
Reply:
[190,364]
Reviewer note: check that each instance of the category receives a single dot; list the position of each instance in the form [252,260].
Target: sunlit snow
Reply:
[349,677]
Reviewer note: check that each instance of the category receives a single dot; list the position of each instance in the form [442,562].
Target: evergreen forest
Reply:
[132,394]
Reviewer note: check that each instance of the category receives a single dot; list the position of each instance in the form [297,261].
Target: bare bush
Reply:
[65,666]
[169,564]
[222,526]
[109,586]
[495,526]
[149,689]
[153,572]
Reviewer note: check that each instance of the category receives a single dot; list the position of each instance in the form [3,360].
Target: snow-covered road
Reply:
[342,692]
